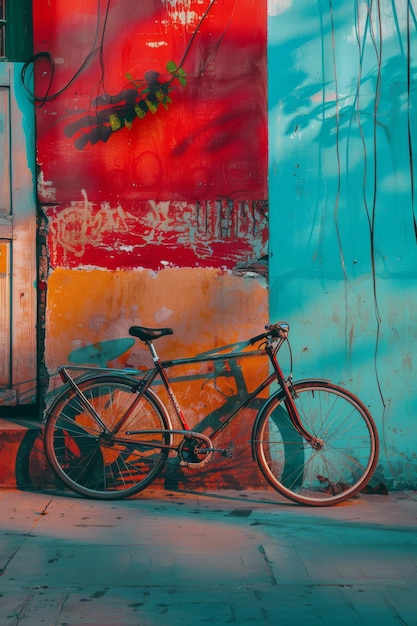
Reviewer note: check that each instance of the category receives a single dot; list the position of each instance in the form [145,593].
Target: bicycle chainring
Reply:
[194,451]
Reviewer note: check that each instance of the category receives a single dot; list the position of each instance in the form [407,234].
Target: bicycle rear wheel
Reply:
[95,462]
[346,459]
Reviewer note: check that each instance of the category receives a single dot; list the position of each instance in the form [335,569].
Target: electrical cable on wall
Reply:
[94,51]
[49,57]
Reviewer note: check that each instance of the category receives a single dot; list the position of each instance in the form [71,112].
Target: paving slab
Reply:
[230,557]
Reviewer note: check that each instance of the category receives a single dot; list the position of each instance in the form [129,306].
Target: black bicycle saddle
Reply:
[149,334]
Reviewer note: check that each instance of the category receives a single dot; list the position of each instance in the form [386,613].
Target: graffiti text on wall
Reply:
[221,233]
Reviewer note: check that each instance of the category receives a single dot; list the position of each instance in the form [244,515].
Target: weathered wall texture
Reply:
[342,80]
[152,153]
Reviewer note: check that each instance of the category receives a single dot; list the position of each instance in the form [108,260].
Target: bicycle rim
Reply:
[93,462]
[343,464]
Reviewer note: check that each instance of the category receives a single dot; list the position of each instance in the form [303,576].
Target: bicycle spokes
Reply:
[317,474]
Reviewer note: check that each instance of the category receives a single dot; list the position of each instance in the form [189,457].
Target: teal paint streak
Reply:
[343,266]
[101,353]
[23,123]
[25,105]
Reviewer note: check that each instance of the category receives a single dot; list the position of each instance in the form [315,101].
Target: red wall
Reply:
[185,186]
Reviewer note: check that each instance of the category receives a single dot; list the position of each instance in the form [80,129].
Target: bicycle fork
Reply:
[290,395]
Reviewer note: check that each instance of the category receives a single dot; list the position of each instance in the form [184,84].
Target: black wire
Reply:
[95,49]
[46,54]
[409,132]
[25,68]
[203,17]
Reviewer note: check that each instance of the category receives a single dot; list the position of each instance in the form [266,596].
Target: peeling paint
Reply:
[207,233]
[180,12]
[46,190]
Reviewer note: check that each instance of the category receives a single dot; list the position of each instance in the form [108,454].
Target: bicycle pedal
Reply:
[228,453]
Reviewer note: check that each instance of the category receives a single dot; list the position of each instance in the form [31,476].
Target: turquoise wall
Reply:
[343,250]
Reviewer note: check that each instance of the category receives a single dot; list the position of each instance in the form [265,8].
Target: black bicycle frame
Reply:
[159,369]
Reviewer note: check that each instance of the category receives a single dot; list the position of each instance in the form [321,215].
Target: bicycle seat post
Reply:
[155,357]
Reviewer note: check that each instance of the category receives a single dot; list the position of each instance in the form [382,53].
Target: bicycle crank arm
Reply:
[226,452]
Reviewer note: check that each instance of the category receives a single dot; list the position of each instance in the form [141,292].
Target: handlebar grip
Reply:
[275,330]
[281,329]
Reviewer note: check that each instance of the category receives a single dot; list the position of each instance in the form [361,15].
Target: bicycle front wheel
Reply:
[93,460]
[327,474]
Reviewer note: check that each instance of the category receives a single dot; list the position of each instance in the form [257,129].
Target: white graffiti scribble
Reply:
[45,189]
[81,224]
[169,224]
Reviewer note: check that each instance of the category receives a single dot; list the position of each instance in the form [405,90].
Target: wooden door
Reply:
[17,242]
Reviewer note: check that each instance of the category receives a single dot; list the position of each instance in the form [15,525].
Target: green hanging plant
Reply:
[150,94]
[134,101]
[177,72]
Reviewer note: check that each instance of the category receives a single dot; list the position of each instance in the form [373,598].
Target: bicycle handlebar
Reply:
[277,331]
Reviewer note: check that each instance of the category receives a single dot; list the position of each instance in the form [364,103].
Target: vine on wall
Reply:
[132,103]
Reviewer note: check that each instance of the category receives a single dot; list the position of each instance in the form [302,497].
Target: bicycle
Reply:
[109,435]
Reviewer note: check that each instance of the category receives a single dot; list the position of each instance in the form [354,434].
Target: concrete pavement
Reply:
[231,557]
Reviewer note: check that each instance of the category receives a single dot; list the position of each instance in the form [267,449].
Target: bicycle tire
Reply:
[91,462]
[316,477]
